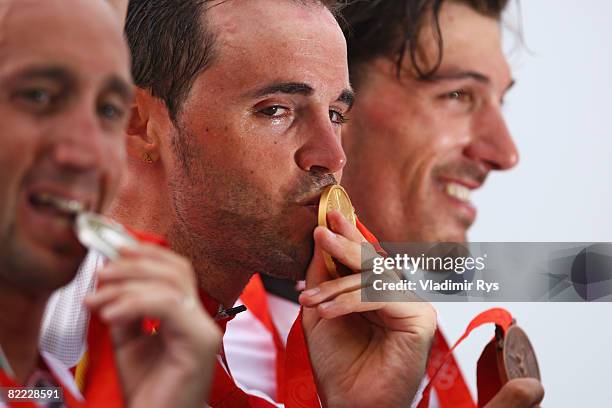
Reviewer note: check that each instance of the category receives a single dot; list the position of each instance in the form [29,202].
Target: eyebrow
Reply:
[458,74]
[121,88]
[63,76]
[290,88]
[347,96]
[52,73]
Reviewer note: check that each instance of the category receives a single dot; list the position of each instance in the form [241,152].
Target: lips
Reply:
[458,193]
[48,202]
[47,213]
[311,200]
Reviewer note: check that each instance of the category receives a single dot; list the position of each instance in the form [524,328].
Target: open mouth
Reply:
[56,205]
[458,191]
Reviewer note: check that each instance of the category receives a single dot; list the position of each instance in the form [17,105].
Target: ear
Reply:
[143,132]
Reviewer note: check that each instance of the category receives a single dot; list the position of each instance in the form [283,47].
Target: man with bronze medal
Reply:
[426,130]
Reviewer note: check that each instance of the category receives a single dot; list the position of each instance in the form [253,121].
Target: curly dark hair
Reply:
[377,28]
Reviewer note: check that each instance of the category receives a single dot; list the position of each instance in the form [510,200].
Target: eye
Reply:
[337,117]
[274,111]
[110,111]
[36,97]
[459,95]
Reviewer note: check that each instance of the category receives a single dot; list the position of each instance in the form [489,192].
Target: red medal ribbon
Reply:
[487,372]
[450,386]
[300,390]
[255,299]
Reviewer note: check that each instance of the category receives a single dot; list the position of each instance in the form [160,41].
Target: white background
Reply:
[560,113]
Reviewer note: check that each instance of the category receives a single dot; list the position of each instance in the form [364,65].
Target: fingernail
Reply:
[126,249]
[330,233]
[311,292]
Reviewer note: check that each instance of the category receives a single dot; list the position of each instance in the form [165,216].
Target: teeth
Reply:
[458,191]
[61,204]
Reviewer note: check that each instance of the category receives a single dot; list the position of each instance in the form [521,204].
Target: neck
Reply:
[20,320]
[217,273]
[144,203]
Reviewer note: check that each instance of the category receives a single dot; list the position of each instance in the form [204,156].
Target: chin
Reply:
[290,271]
[457,237]
[291,264]
[42,278]
[51,268]
[441,233]
[449,228]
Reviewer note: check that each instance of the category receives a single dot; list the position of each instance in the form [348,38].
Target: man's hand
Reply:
[173,367]
[518,393]
[364,354]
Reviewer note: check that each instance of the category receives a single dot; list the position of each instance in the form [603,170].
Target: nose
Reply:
[322,148]
[78,139]
[492,143]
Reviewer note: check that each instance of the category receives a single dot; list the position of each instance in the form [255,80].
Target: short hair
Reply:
[391,28]
[171,45]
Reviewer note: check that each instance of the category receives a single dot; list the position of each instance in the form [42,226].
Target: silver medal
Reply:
[102,234]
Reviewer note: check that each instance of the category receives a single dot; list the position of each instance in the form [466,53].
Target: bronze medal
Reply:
[517,358]
[335,198]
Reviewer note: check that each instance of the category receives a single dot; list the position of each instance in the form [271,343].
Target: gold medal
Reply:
[335,198]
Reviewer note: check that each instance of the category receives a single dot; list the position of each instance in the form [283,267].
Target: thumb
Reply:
[518,393]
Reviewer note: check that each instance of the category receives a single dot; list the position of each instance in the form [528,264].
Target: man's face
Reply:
[260,135]
[64,97]
[418,148]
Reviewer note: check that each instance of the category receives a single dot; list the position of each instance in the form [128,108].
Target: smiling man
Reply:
[428,127]
[64,109]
